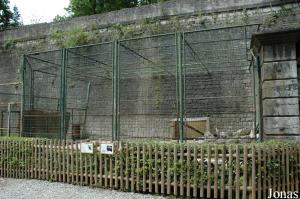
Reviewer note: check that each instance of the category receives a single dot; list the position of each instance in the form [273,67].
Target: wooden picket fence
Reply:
[190,170]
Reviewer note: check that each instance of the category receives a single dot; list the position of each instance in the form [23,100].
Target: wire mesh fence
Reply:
[173,86]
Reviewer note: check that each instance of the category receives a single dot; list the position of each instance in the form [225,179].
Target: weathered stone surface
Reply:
[280,88]
[281,125]
[279,70]
[281,106]
[279,52]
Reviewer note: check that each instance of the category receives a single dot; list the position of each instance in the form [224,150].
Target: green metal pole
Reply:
[180,85]
[62,98]
[260,106]
[23,100]
[115,89]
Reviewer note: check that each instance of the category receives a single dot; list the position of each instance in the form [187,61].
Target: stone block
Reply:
[279,52]
[280,88]
[281,125]
[281,106]
[279,70]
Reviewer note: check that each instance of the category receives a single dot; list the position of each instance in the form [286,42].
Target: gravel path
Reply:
[36,189]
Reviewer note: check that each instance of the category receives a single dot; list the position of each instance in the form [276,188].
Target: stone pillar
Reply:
[280,100]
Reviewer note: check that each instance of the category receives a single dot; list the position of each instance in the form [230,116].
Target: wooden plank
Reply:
[216,171]
[297,165]
[275,170]
[237,172]
[222,195]
[168,169]
[101,169]
[77,159]
[209,171]
[63,161]
[132,177]
[150,169]
[121,168]
[47,160]
[259,181]
[230,172]
[245,171]
[2,156]
[138,153]
[69,173]
[188,173]
[269,172]
[292,173]
[90,174]
[162,151]
[156,168]
[127,167]
[175,186]
[51,160]
[105,172]
[35,159]
[96,166]
[202,172]
[181,170]
[195,183]
[59,161]
[72,163]
[116,171]
[144,170]
[86,169]
[81,165]
[264,174]
[253,184]
[288,183]
[43,155]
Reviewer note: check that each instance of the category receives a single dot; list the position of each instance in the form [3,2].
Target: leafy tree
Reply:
[90,7]
[8,17]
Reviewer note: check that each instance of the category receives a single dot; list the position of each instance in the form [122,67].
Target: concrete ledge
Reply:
[279,70]
[280,88]
[279,52]
[130,15]
[281,106]
[281,125]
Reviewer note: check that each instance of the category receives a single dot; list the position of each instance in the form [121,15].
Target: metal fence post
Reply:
[23,94]
[115,89]
[180,85]
[260,106]
[8,119]
[62,98]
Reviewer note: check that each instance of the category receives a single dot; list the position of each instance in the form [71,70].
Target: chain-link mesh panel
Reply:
[218,83]
[148,87]
[41,117]
[89,91]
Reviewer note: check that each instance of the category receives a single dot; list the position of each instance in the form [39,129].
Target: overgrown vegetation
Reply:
[73,37]
[152,159]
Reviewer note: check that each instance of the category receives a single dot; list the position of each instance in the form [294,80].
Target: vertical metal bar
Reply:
[8,119]
[62,98]
[115,89]
[180,85]
[260,107]
[254,94]
[23,98]
[31,89]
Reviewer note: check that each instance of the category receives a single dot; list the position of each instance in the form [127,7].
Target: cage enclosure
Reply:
[187,85]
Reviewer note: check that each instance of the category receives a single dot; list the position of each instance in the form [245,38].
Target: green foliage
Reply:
[275,16]
[72,37]
[153,165]
[8,18]
[9,44]
[59,18]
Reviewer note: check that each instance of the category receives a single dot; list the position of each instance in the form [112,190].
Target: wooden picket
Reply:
[186,170]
